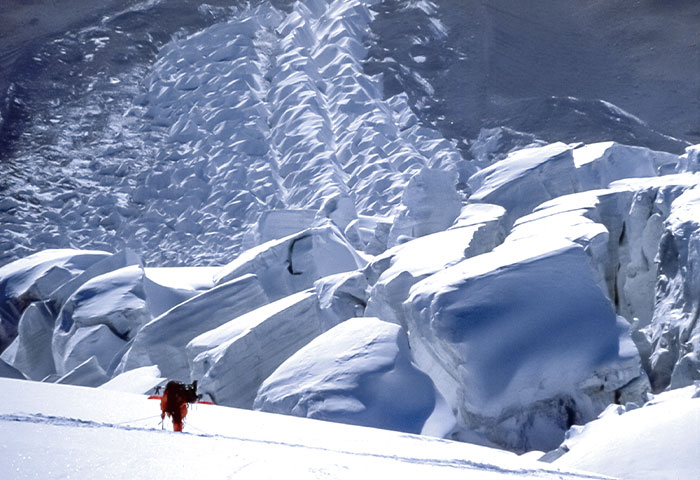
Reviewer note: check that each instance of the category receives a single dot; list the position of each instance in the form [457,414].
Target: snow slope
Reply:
[626,441]
[54,431]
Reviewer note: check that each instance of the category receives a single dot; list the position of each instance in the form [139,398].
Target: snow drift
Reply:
[626,441]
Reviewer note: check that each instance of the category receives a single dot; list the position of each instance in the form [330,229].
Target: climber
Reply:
[175,399]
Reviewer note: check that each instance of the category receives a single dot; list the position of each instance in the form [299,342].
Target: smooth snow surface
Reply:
[55,431]
[139,380]
[627,442]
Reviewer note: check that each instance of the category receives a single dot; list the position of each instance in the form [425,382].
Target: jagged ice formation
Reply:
[512,296]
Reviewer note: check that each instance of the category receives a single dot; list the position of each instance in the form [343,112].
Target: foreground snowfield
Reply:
[627,442]
[52,431]
[266,220]
[59,431]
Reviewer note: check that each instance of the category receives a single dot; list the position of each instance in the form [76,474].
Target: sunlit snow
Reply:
[262,199]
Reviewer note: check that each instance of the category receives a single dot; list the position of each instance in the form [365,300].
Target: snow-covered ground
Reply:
[248,206]
[56,431]
[627,441]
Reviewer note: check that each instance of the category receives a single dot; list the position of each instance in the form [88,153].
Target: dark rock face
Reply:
[543,67]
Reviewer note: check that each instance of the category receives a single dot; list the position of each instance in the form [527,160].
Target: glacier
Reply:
[302,241]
